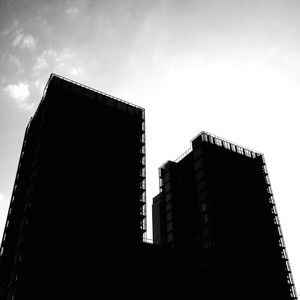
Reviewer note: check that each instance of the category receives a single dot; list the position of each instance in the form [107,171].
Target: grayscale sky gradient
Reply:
[229,67]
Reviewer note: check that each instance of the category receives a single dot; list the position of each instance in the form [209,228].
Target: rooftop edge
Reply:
[213,139]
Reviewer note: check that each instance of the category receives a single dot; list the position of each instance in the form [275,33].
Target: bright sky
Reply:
[229,67]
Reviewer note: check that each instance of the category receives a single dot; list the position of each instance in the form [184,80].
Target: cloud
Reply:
[74,7]
[41,63]
[71,11]
[59,61]
[9,29]
[29,42]
[24,41]
[74,71]
[20,93]
[39,85]
[63,56]
[15,61]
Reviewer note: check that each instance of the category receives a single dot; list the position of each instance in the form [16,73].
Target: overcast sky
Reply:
[229,67]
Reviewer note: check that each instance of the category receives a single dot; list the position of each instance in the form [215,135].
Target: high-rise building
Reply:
[79,196]
[216,204]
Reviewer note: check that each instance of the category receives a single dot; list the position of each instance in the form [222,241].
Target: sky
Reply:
[229,67]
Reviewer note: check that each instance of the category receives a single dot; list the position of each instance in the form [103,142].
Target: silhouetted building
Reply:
[79,200]
[216,205]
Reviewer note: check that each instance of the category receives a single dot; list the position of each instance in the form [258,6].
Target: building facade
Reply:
[216,204]
[79,195]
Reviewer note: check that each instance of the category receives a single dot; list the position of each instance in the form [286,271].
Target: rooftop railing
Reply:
[95,90]
[213,139]
[183,155]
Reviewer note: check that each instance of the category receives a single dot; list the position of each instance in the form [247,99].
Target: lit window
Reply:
[248,153]
[204,137]
[218,142]
[240,150]
[226,145]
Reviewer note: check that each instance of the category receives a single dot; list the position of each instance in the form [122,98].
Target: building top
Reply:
[78,87]
[206,137]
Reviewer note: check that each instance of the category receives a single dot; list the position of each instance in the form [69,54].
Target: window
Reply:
[169,216]
[198,164]
[204,219]
[200,185]
[168,206]
[240,150]
[248,153]
[170,237]
[161,182]
[130,110]
[168,197]
[167,176]
[169,227]
[143,184]
[197,153]
[226,145]
[207,244]
[265,169]
[202,207]
[122,106]
[204,137]
[167,188]
[218,142]
[205,231]
[199,175]
[202,196]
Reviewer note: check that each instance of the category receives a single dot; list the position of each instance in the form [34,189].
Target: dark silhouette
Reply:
[77,218]
[79,195]
[216,205]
